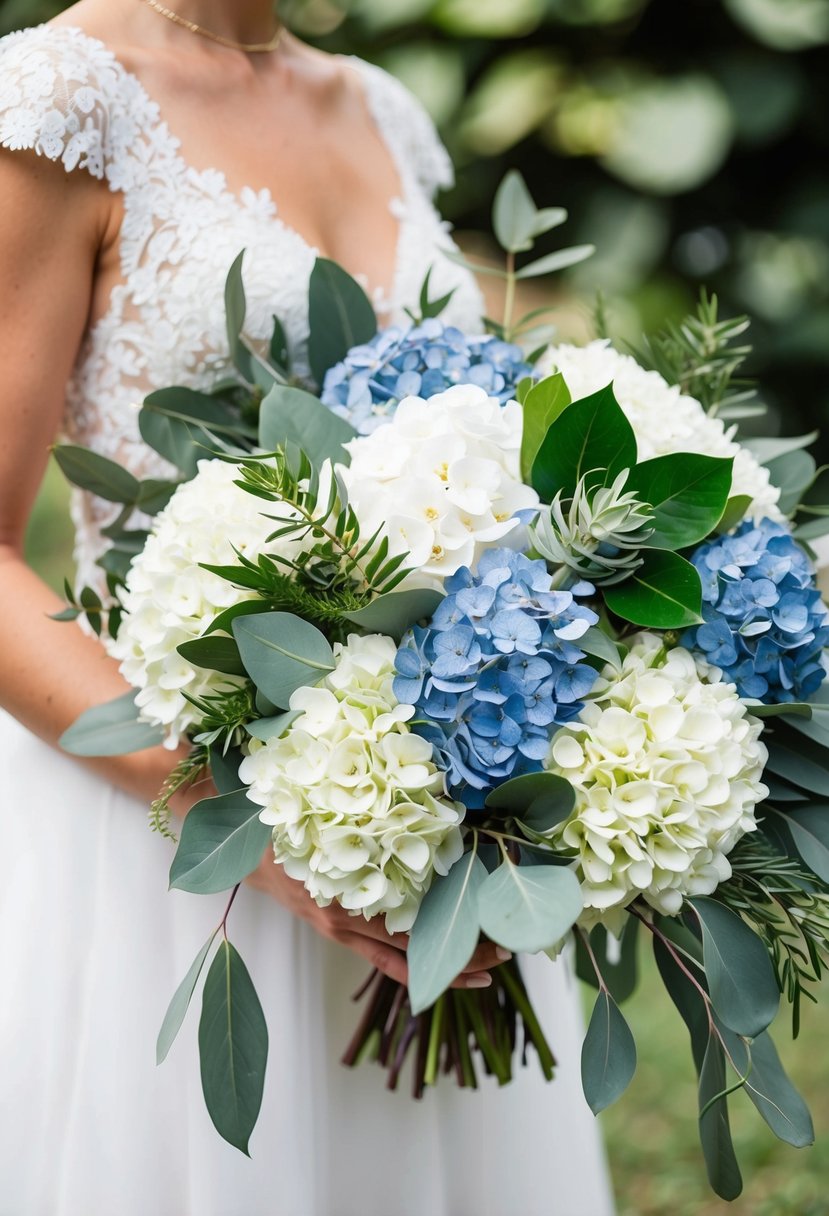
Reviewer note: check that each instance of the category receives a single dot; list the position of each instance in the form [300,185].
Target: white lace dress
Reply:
[93,942]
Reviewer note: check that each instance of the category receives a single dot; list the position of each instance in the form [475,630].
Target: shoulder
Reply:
[62,95]
[407,126]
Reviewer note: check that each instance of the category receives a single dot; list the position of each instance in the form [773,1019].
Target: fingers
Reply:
[487,956]
[388,959]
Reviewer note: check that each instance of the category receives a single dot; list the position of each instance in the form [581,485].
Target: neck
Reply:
[241,20]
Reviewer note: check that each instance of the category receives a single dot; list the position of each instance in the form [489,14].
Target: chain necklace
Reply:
[250,48]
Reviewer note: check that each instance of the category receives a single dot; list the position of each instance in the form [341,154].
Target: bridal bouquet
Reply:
[486,642]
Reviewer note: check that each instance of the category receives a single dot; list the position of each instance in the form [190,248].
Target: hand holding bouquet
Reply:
[521,649]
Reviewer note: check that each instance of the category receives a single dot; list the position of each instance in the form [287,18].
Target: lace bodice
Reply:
[65,95]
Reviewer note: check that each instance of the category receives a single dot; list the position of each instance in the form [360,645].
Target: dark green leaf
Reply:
[222,841]
[224,769]
[396,612]
[224,621]
[543,402]
[215,654]
[340,316]
[618,965]
[663,593]
[741,978]
[181,424]
[608,1055]
[529,908]
[544,793]
[235,312]
[802,769]
[281,653]
[687,1000]
[272,728]
[180,1003]
[289,415]
[233,1048]
[93,472]
[154,495]
[734,513]
[688,494]
[445,933]
[590,436]
[112,729]
[770,1089]
[808,828]
[714,1126]
[799,709]
[278,348]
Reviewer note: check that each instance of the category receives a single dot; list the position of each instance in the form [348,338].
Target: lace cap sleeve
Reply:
[408,128]
[61,95]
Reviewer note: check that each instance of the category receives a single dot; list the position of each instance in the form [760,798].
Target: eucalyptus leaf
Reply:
[272,728]
[446,931]
[397,611]
[590,436]
[688,494]
[290,415]
[599,645]
[547,793]
[608,1055]
[214,653]
[785,709]
[233,1048]
[514,214]
[542,404]
[553,262]
[177,1009]
[741,979]
[714,1125]
[182,424]
[765,449]
[665,592]
[808,828]
[792,473]
[281,653]
[224,769]
[113,729]
[95,473]
[734,513]
[340,316]
[686,999]
[235,312]
[769,1088]
[617,960]
[222,840]
[805,771]
[812,529]
[529,908]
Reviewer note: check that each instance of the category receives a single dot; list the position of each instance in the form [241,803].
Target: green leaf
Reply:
[808,828]
[215,654]
[289,415]
[235,312]
[734,513]
[224,621]
[154,495]
[806,771]
[396,611]
[599,645]
[529,908]
[813,529]
[281,653]
[340,316]
[792,473]
[514,215]
[663,593]
[538,800]
[591,434]
[766,450]
[714,1126]
[619,966]
[687,1000]
[222,841]
[101,477]
[799,709]
[181,424]
[688,494]
[224,769]
[559,260]
[233,1048]
[278,352]
[113,729]
[770,1089]
[542,404]
[177,1009]
[741,978]
[272,728]
[608,1055]
[445,933]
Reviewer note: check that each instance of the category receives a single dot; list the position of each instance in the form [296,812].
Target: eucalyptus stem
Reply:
[509,297]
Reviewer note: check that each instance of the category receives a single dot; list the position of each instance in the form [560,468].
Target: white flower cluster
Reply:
[666,763]
[664,420]
[169,599]
[356,804]
[443,478]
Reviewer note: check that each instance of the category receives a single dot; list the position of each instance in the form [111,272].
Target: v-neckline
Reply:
[384,298]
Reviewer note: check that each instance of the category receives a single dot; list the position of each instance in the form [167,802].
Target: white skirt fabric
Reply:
[94,946]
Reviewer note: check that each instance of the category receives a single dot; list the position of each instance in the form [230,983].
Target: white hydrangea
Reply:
[443,479]
[664,420]
[666,764]
[169,599]
[357,806]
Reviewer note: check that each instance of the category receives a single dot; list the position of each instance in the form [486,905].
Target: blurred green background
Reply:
[689,142]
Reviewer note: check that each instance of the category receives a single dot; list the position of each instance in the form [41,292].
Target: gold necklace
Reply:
[250,48]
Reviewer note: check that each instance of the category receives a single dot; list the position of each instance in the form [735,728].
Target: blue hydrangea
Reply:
[765,623]
[418,362]
[497,671]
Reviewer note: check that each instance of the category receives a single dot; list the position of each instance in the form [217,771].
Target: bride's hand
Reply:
[385,951]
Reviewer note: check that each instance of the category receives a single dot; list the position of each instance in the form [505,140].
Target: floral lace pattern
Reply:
[66,96]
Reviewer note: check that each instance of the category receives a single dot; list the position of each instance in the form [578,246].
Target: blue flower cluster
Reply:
[496,671]
[418,362]
[765,623]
